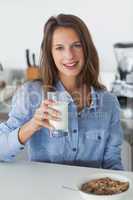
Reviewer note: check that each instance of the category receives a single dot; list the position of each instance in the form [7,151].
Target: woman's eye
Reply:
[77,45]
[59,48]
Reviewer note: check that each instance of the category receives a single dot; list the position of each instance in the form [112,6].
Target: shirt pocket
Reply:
[58,134]
[96,135]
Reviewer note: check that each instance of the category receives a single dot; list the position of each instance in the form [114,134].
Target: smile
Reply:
[70,65]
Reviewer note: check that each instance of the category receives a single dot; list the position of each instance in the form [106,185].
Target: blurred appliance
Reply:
[122,87]
[124,57]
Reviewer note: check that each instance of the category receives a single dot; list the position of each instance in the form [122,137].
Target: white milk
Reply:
[62,124]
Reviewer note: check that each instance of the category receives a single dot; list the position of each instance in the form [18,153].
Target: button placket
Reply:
[74,131]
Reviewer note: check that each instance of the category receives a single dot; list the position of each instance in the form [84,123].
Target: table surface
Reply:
[39,181]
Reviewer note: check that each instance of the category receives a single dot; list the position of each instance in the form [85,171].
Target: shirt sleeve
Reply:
[19,114]
[112,154]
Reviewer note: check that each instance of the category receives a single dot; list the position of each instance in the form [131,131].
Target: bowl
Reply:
[118,177]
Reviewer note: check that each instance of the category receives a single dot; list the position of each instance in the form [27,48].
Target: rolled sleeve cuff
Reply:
[15,146]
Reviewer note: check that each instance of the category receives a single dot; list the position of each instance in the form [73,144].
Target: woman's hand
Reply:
[45,113]
[40,119]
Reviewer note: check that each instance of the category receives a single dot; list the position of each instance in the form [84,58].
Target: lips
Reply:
[70,65]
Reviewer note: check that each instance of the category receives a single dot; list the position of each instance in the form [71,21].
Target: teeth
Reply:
[70,65]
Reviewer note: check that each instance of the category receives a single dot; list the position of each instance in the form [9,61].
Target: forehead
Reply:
[63,34]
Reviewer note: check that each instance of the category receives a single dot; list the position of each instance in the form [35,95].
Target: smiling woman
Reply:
[71,45]
[69,64]
[67,53]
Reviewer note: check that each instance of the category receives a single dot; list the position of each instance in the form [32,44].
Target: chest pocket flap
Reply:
[96,134]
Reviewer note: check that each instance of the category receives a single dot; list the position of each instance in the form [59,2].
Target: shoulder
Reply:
[108,99]
[107,95]
[32,85]
[30,93]
[30,88]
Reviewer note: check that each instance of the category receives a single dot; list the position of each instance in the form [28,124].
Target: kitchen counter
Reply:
[38,181]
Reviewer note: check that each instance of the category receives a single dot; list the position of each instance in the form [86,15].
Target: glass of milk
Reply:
[61,105]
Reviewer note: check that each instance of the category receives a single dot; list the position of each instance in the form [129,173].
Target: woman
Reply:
[69,62]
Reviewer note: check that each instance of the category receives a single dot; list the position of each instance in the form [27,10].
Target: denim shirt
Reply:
[93,139]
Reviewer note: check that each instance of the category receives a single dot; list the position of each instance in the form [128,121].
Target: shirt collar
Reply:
[94,94]
[95,99]
[59,87]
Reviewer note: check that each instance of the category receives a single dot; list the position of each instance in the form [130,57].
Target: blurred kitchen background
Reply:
[110,23]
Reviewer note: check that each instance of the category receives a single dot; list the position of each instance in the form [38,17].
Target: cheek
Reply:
[80,55]
[56,58]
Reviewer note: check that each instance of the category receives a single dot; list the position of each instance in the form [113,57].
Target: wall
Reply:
[21,26]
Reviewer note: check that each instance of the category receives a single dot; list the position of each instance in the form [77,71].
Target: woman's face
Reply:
[67,52]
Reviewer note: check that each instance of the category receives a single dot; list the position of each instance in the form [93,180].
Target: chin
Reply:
[72,73]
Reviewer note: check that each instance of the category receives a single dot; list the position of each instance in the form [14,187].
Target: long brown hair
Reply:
[49,74]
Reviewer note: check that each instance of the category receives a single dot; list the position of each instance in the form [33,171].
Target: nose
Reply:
[69,54]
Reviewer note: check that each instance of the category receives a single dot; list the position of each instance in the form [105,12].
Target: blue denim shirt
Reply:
[94,138]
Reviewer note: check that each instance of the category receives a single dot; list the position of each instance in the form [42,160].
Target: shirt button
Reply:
[65,133]
[99,137]
[75,131]
[74,149]
[21,148]
[79,115]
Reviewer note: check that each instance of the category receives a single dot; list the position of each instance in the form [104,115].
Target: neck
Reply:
[69,84]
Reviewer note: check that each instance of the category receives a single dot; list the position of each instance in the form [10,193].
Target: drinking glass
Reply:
[61,105]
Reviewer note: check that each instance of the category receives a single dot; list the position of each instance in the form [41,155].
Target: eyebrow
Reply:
[76,42]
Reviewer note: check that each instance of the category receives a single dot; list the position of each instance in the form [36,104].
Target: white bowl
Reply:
[123,195]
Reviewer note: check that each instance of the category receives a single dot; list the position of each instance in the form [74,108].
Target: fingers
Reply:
[46,107]
[48,102]
[43,123]
[45,113]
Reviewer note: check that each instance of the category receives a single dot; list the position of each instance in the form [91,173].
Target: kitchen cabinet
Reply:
[3,116]
[127,149]
[126,156]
